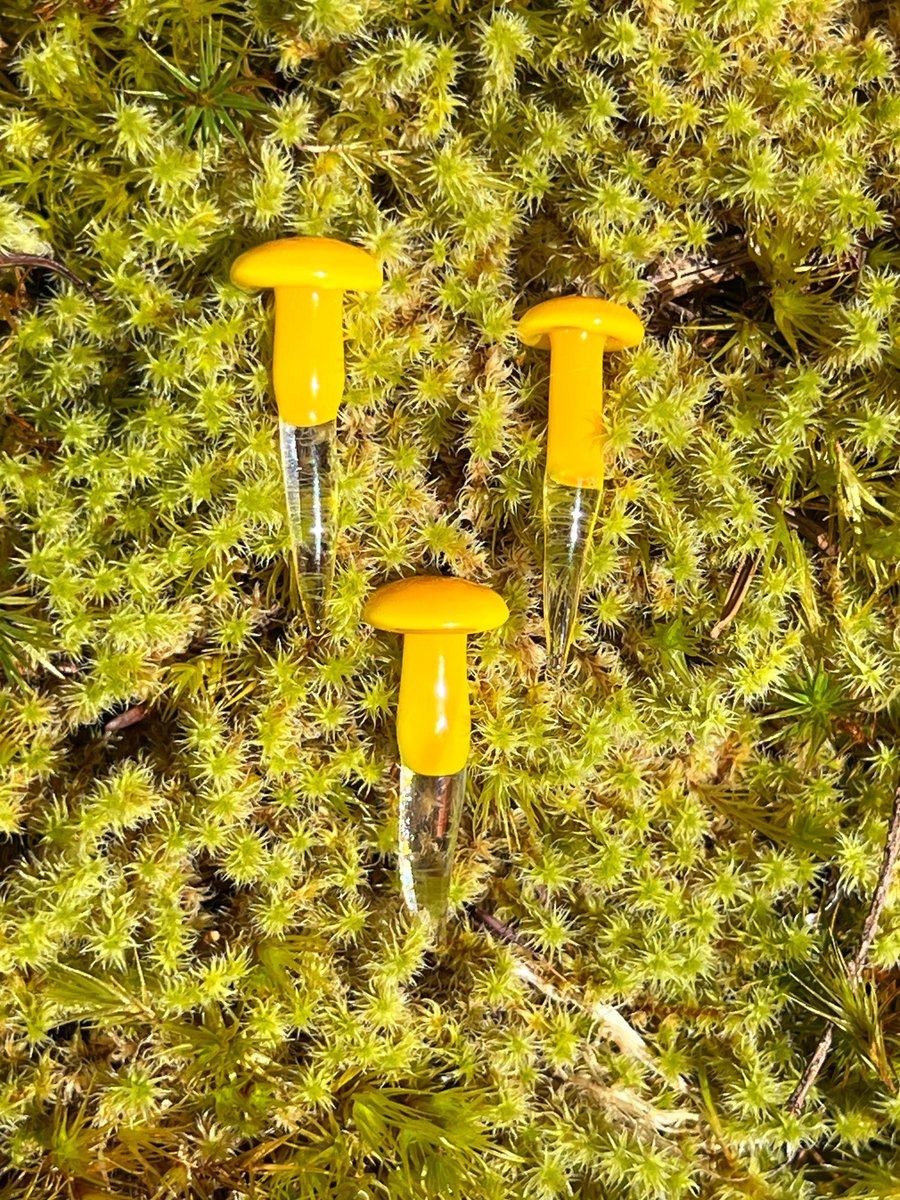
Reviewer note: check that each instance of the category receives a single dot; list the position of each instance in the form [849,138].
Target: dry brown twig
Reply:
[681,276]
[30,261]
[542,976]
[812,531]
[131,716]
[737,593]
[857,963]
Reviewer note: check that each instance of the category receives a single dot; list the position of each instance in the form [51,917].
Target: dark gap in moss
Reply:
[385,192]
[14,848]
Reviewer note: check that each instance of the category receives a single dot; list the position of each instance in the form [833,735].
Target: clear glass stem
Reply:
[307,458]
[570,514]
[430,808]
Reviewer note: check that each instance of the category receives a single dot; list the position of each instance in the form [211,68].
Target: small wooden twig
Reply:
[131,716]
[346,147]
[496,927]
[857,963]
[624,1106]
[811,1074]
[681,276]
[737,593]
[879,898]
[545,979]
[47,264]
[809,529]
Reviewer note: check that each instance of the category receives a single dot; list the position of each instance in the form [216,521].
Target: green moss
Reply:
[210,987]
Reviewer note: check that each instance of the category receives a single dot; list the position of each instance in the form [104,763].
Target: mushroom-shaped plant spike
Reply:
[309,276]
[436,615]
[578,330]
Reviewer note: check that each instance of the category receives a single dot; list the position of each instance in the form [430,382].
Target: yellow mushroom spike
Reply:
[435,615]
[309,277]
[578,330]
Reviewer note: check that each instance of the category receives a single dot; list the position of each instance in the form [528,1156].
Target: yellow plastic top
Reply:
[579,330]
[435,604]
[435,613]
[309,276]
[616,324]
[307,262]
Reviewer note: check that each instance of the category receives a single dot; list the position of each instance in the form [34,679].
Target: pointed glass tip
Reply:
[570,514]
[308,460]
[430,808]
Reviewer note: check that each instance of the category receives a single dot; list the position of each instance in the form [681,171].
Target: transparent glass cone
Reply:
[430,807]
[307,458]
[570,514]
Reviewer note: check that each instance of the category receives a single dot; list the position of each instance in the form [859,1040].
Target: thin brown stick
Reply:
[857,963]
[737,593]
[29,261]
[496,927]
[608,1021]
[131,716]
[811,530]
[879,899]
[811,1074]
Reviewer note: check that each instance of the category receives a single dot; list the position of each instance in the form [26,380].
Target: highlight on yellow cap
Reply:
[435,613]
[309,276]
[315,262]
[435,604]
[617,325]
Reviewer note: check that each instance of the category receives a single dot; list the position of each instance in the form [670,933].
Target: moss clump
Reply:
[209,986]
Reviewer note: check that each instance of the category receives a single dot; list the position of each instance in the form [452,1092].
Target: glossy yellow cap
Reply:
[578,330]
[435,613]
[309,276]
[435,604]
[618,326]
[307,262]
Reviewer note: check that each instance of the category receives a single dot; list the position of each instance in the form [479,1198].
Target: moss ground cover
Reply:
[209,986]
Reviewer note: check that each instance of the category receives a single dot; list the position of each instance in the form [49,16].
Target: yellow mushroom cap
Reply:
[617,324]
[435,604]
[322,263]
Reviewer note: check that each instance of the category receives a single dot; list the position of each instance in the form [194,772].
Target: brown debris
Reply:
[38,261]
[737,593]
[131,716]
[690,273]
[857,963]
